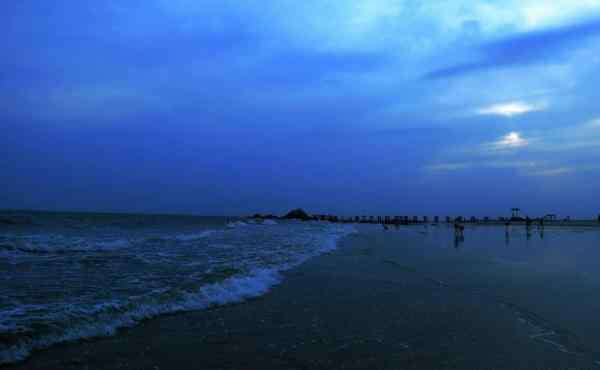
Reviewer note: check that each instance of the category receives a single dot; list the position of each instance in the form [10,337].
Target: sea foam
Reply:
[107,318]
[194,236]
[283,247]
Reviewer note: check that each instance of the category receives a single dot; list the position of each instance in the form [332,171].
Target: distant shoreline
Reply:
[389,220]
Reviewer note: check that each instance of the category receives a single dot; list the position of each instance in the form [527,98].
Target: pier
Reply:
[515,218]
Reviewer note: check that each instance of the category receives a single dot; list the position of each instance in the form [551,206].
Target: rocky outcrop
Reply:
[297,214]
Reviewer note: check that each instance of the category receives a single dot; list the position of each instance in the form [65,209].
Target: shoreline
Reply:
[382,299]
[7,214]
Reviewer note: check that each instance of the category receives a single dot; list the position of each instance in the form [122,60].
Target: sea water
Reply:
[65,276]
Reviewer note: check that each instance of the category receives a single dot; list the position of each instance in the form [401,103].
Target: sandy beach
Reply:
[405,298]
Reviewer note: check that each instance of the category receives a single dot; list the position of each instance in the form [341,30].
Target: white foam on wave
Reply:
[269,222]
[187,237]
[327,244]
[240,288]
[194,236]
[31,248]
[57,244]
[235,224]
[112,315]
[105,319]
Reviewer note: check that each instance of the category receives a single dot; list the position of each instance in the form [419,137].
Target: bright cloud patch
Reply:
[511,141]
[528,168]
[510,109]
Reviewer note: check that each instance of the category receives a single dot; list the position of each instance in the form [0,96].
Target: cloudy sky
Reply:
[399,107]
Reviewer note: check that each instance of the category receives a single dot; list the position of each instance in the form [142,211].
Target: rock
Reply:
[297,214]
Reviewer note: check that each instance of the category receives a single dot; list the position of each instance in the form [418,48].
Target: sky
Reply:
[379,107]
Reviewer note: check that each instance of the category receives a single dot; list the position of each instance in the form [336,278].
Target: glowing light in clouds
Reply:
[512,140]
[510,109]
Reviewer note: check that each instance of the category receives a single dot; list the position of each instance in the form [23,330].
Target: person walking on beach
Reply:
[459,234]
[459,230]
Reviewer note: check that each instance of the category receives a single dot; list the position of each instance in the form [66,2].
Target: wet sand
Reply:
[404,298]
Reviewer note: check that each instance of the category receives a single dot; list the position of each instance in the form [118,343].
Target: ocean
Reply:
[70,276]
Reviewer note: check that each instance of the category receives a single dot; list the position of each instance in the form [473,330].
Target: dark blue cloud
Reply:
[528,48]
[219,107]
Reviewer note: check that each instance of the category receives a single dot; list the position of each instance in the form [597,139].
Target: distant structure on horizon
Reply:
[516,214]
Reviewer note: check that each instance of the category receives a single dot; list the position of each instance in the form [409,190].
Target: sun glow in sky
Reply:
[228,107]
[511,140]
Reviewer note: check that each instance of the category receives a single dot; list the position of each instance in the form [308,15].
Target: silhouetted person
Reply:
[459,230]
[541,224]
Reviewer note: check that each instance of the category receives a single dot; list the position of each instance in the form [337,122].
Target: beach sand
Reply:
[398,299]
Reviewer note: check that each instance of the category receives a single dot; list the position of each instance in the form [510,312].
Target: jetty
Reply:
[515,218]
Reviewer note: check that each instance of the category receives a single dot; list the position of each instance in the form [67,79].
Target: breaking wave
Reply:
[193,271]
[106,318]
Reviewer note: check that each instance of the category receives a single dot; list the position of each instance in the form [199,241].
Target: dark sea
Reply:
[69,276]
